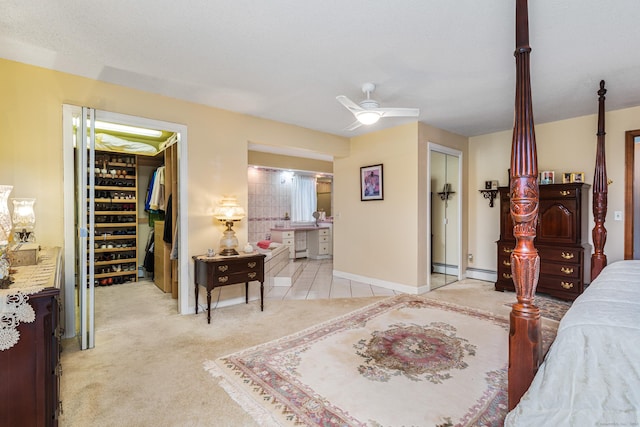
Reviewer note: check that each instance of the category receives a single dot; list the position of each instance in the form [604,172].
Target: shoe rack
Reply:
[116,218]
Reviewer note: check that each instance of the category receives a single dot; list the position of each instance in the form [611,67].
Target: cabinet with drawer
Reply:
[319,243]
[561,240]
[287,238]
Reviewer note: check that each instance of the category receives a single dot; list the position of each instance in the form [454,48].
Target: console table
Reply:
[216,271]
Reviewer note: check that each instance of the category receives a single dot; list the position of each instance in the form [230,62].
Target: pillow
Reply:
[274,245]
[264,244]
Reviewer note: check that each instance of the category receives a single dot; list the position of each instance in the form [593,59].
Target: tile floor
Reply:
[317,281]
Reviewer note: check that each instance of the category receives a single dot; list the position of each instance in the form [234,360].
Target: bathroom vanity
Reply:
[305,241]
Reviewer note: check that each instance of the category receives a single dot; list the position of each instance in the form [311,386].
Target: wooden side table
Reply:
[213,272]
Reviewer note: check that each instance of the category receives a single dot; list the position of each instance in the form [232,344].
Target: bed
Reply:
[591,374]
[576,356]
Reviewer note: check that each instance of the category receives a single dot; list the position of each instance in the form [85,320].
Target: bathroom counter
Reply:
[305,241]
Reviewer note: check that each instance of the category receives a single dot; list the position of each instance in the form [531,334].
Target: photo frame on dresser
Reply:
[371,184]
[577,177]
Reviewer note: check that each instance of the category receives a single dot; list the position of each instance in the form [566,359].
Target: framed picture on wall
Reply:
[371,183]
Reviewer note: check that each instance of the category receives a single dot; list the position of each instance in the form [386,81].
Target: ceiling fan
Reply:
[368,111]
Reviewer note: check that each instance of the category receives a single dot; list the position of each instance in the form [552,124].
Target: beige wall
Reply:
[279,161]
[563,146]
[387,240]
[31,144]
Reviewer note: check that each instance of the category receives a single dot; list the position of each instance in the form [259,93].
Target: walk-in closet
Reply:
[126,179]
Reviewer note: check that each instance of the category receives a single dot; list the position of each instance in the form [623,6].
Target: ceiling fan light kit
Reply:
[367,117]
[368,111]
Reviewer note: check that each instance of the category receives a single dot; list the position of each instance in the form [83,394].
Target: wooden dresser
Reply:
[561,239]
[29,369]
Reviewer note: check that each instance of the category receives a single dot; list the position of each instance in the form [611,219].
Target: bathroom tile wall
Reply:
[269,201]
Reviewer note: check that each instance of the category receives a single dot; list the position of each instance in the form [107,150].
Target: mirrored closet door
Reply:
[445,183]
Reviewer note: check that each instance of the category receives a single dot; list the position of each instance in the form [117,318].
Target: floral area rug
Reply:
[550,307]
[403,361]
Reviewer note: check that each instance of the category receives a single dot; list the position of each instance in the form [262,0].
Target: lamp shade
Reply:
[23,214]
[229,210]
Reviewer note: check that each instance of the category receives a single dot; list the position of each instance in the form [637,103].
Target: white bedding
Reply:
[591,374]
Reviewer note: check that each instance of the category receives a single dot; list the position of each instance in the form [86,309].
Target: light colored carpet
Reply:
[146,369]
[399,362]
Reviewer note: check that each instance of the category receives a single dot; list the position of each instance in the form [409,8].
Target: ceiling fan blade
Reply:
[349,104]
[353,126]
[399,112]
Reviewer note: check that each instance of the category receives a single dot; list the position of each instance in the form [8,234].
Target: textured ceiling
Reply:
[287,60]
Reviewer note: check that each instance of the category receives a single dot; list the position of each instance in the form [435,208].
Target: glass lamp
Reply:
[24,220]
[5,233]
[228,212]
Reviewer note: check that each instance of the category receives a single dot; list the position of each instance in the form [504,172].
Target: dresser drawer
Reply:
[235,266]
[566,288]
[224,279]
[560,269]
[563,254]
[323,232]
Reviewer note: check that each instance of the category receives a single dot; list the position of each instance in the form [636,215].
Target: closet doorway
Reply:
[445,214]
[632,195]
[111,163]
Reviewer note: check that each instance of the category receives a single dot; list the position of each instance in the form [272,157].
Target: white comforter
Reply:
[591,374]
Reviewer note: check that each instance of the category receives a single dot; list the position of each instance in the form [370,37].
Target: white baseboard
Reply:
[481,274]
[382,283]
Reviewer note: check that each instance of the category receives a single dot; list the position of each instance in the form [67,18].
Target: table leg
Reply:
[261,296]
[196,298]
[208,306]
[246,292]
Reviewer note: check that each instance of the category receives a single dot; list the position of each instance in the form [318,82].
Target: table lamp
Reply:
[24,220]
[228,212]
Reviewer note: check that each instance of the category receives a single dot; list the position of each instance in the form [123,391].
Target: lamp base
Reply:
[228,252]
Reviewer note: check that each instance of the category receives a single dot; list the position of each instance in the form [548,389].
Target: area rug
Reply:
[550,307]
[404,361]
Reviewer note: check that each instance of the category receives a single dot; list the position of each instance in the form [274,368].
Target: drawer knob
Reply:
[252,264]
[252,275]
[505,262]
[223,268]
[565,192]
[567,255]
[507,250]
[566,285]
[566,270]
[506,275]
[223,279]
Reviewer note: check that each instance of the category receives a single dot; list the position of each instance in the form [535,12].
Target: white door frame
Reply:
[69,200]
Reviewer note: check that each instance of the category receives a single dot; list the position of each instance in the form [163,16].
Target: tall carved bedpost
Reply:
[599,233]
[525,340]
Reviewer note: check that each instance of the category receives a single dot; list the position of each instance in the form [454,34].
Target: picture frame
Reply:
[371,183]
[567,177]
[487,185]
[577,177]
[547,177]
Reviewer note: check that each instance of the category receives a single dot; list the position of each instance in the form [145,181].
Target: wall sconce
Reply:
[229,212]
[446,192]
[24,220]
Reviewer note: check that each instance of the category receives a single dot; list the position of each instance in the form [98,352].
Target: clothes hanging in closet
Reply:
[155,202]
